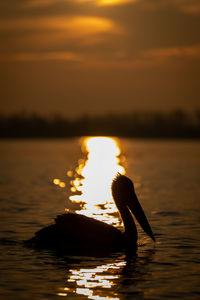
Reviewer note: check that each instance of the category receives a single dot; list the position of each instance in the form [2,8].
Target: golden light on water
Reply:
[92,183]
[91,188]
[57,181]
[91,281]
[91,180]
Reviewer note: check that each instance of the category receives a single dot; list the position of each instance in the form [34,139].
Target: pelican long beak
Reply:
[139,214]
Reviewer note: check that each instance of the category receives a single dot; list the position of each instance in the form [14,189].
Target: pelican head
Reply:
[124,195]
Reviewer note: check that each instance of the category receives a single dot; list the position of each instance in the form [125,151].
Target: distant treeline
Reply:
[175,124]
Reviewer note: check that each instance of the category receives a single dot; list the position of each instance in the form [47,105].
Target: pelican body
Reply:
[75,234]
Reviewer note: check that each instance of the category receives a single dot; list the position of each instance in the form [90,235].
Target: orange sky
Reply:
[97,56]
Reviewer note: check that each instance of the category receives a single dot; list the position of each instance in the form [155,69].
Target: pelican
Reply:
[76,234]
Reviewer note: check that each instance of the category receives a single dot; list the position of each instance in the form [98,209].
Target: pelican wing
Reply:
[84,229]
[76,234]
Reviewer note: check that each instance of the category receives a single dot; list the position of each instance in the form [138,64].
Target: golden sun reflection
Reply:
[92,183]
[57,181]
[91,282]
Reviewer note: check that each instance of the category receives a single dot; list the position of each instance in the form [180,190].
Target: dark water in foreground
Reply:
[167,177]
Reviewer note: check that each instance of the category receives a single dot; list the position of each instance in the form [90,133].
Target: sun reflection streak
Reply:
[92,183]
[92,281]
[91,190]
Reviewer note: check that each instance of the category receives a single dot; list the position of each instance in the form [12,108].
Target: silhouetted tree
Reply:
[175,124]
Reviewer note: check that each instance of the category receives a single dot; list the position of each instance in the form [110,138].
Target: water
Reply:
[166,176]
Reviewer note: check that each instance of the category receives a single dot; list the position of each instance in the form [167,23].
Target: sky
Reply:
[78,57]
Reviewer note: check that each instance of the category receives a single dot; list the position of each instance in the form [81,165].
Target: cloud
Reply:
[191,7]
[76,25]
[61,34]
[149,59]
[186,6]
[186,52]
[48,56]
[40,3]
[46,3]
[99,40]
[113,2]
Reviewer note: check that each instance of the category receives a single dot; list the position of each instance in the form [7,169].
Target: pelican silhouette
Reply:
[80,235]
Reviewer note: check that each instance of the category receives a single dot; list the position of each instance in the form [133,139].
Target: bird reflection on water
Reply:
[78,234]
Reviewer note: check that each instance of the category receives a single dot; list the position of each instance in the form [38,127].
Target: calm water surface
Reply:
[41,179]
